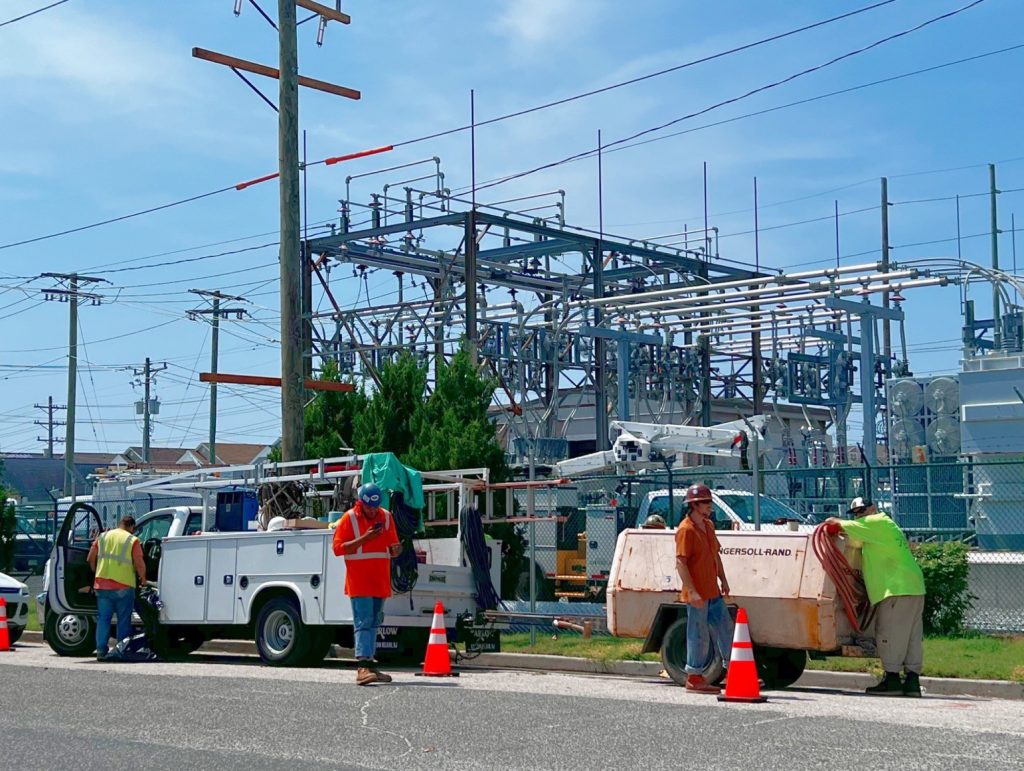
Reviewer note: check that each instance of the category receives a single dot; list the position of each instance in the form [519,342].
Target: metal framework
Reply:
[560,315]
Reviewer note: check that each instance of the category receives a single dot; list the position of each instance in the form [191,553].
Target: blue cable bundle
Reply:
[404,568]
[479,555]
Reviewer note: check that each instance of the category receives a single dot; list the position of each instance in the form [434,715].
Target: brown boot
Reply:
[698,684]
[382,677]
[366,676]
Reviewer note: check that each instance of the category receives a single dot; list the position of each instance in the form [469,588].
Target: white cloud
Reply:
[533,22]
[104,61]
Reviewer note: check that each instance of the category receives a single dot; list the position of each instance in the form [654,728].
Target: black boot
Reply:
[912,685]
[890,686]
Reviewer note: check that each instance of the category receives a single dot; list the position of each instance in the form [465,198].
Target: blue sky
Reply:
[106,113]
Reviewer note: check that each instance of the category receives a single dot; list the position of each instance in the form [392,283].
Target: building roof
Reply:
[234,454]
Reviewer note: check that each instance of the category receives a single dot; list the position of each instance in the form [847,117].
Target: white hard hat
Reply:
[276,523]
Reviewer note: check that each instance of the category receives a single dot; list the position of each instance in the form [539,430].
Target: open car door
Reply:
[74,577]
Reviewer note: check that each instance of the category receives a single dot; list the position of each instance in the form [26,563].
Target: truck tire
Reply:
[15,633]
[176,642]
[322,640]
[70,634]
[779,667]
[281,638]
[673,655]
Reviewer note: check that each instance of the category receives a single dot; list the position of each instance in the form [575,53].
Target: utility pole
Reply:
[215,312]
[70,293]
[147,373]
[886,329]
[49,408]
[997,327]
[292,439]
[291,258]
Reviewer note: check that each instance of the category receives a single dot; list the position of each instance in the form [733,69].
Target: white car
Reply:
[733,510]
[16,595]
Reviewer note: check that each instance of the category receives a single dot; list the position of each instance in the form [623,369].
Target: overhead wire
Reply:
[32,13]
[508,116]
[760,89]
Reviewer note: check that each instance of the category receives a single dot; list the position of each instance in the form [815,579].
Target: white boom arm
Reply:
[646,443]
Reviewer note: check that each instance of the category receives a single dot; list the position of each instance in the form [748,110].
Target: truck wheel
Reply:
[15,633]
[69,634]
[176,643]
[281,637]
[779,667]
[673,655]
[322,640]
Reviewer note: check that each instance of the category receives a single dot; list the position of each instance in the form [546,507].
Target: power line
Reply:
[676,68]
[32,13]
[733,100]
[497,119]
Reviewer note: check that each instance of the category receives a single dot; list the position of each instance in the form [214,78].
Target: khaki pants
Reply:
[898,630]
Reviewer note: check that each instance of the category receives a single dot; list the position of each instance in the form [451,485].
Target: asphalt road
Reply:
[228,712]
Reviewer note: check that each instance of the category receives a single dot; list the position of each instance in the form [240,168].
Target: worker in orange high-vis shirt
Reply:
[367,538]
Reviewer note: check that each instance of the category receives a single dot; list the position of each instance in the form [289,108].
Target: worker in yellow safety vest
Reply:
[116,559]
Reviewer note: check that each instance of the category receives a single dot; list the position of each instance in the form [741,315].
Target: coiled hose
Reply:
[479,555]
[849,585]
[404,568]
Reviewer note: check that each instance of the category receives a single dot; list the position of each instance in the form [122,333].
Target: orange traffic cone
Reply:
[437,662]
[5,637]
[741,683]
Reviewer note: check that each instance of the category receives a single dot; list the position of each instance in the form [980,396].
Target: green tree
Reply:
[8,532]
[329,418]
[385,422]
[453,430]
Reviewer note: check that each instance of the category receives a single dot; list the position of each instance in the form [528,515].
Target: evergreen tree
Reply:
[329,418]
[384,424]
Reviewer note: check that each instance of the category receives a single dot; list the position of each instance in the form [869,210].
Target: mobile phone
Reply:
[378,526]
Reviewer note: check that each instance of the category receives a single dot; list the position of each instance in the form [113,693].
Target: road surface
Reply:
[228,712]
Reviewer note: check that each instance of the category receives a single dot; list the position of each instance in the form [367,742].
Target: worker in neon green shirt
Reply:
[895,587]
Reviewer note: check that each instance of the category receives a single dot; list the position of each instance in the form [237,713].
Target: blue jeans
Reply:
[707,624]
[109,602]
[367,615]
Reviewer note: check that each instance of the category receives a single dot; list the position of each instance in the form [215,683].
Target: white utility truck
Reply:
[284,588]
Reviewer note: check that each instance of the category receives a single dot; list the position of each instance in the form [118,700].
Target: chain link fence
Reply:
[979,503]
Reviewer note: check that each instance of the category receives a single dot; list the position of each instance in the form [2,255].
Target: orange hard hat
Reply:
[696,493]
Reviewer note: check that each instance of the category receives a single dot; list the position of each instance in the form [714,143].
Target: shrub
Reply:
[947,598]
[8,531]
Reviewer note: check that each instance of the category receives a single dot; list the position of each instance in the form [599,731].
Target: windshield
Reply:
[771,509]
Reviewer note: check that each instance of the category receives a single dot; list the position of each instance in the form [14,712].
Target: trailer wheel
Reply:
[70,634]
[281,637]
[779,667]
[673,656]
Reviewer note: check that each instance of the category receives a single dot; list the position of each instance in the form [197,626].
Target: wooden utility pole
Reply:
[287,73]
[292,439]
[71,295]
[215,312]
[147,373]
[49,408]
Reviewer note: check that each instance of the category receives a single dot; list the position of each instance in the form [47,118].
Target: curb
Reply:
[845,681]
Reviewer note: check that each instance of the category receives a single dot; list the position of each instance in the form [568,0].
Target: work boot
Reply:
[366,676]
[698,684]
[382,677]
[890,686]
[912,685]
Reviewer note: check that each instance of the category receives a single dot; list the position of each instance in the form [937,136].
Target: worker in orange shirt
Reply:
[367,538]
[700,569]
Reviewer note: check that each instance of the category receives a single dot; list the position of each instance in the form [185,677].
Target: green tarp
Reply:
[385,471]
